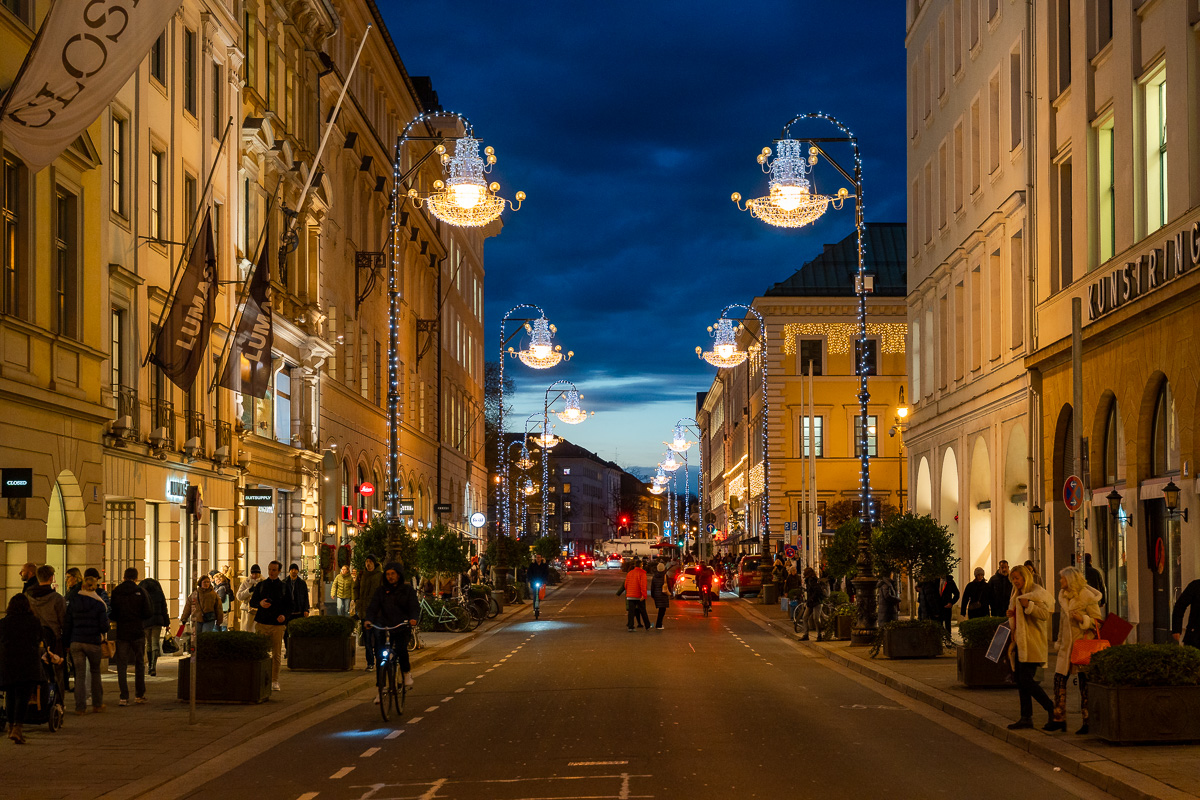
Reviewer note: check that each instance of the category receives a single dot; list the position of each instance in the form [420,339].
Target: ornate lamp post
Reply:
[465,199]
[792,203]
[681,444]
[727,354]
[572,414]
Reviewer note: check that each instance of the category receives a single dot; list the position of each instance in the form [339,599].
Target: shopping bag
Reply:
[541,593]
[1115,630]
[1083,649]
[1000,639]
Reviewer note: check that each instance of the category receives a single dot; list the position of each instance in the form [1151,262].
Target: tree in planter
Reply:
[918,547]
[373,540]
[845,511]
[440,551]
[506,553]
[548,546]
[841,554]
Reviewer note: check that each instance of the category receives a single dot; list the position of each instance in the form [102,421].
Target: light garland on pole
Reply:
[680,444]
[794,206]
[573,414]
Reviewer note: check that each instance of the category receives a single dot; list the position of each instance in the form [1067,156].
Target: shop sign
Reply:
[1151,270]
[17,482]
[407,507]
[348,514]
[260,496]
[366,489]
[478,520]
[177,489]
[441,508]
[363,517]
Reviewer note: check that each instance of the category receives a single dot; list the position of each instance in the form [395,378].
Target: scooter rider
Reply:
[538,576]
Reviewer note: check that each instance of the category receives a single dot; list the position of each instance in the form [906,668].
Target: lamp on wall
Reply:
[1114,502]
[331,528]
[1171,496]
[1035,514]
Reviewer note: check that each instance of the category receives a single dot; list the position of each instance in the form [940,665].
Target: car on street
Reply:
[746,577]
[685,583]
[614,561]
[579,563]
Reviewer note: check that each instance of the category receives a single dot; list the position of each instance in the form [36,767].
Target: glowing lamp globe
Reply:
[541,353]
[465,199]
[725,352]
[679,441]
[669,463]
[656,489]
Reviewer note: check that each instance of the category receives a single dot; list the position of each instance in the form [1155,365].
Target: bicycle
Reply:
[537,600]
[385,675]
[705,601]
[475,614]
[449,615]
[823,612]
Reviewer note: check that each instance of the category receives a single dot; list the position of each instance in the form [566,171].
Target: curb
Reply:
[1109,776]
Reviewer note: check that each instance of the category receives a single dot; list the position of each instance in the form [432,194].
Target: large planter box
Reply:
[1122,714]
[912,643]
[320,652]
[226,681]
[843,625]
[977,671]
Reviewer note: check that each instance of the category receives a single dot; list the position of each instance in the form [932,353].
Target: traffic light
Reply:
[624,519]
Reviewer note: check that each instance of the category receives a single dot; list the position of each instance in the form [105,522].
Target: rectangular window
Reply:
[928,80]
[941,56]
[191,197]
[974,22]
[976,148]
[1102,24]
[815,439]
[914,218]
[348,353]
[1062,276]
[1016,116]
[13,211]
[566,527]
[946,340]
[566,487]
[866,362]
[1016,256]
[364,364]
[872,436]
[1155,98]
[158,59]
[930,353]
[157,206]
[283,406]
[943,186]
[976,318]
[119,165]
[1106,224]
[993,9]
[66,263]
[272,77]
[811,352]
[19,8]
[914,347]
[956,35]
[927,222]
[250,29]
[958,167]
[189,71]
[117,351]
[994,124]
[378,374]
[1064,44]
[218,89]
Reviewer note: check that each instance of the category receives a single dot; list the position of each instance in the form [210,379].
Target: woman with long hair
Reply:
[1079,618]
[20,668]
[1029,609]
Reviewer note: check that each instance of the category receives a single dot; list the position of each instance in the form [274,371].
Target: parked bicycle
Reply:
[450,615]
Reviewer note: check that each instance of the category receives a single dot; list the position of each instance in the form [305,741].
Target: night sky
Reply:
[629,124]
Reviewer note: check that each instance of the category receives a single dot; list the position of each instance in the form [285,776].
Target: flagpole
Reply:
[188,244]
[244,294]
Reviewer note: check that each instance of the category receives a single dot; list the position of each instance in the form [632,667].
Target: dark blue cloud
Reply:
[629,125]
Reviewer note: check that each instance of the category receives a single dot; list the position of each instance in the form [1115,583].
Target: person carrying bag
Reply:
[1079,621]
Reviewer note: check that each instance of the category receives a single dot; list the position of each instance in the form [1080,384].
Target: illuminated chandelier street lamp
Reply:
[572,414]
[540,352]
[727,354]
[792,204]
[523,462]
[681,444]
[461,202]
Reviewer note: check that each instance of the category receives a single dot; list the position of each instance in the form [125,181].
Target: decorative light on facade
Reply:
[839,336]
[465,198]
[756,480]
[669,463]
[791,202]
[541,353]
[572,414]
[725,352]
[679,441]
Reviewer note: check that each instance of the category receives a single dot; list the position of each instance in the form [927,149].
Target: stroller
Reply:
[46,703]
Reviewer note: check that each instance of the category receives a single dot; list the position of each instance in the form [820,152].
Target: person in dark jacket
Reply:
[1094,578]
[272,605]
[539,576]
[1000,590]
[51,610]
[1189,599]
[814,595]
[394,604]
[130,610]
[74,579]
[365,588]
[28,576]
[86,627]
[947,596]
[160,617]
[20,662]
[297,591]
[660,593]
[975,598]
[887,598]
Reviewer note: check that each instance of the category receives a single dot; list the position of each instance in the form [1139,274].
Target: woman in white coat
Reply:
[1029,609]
[1079,618]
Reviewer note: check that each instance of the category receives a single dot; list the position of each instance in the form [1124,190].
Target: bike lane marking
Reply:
[370,751]
[394,734]
[341,773]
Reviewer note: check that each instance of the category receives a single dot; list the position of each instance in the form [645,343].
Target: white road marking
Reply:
[447,699]
[596,763]
[394,734]
[308,796]
[477,677]
[488,670]
[472,683]
[341,773]
[431,708]
[433,789]
[460,689]
[370,751]
[415,720]
[690,645]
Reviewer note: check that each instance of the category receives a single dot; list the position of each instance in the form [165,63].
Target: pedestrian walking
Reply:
[51,610]
[85,628]
[160,618]
[999,590]
[343,591]
[1094,578]
[634,590]
[887,599]
[1029,612]
[947,596]
[975,601]
[271,603]
[658,590]
[243,596]
[1079,618]
[1188,603]
[297,590]
[20,663]
[224,596]
[203,607]
[28,575]
[814,595]
[131,609]
[364,591]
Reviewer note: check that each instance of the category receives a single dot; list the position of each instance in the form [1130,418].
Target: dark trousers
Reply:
[131,651]
[946,616]
[662,612]
[16,701]
[1028,690]
[369,646]
[153,648]
[636,610]
[397,647]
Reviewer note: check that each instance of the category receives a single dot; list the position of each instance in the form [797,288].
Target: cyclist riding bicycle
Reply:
[394,604]
[704,582]
[538,576]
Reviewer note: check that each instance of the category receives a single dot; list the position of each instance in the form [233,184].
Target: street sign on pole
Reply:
[1073,493]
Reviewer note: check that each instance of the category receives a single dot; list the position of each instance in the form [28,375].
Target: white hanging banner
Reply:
[84,53]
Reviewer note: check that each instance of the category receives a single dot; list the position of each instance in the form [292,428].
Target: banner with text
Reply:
[183,338]
[248,369]
[84,52]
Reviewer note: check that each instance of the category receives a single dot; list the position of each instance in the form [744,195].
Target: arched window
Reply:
[377,498]
[1164,436]
[1114,446]
[362,478]
[345,484]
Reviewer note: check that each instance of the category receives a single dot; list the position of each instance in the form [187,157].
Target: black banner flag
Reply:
[248,369]
[183,339]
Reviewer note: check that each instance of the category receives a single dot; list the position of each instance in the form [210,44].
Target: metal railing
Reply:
[195,425]
[164,417]
[224,434]
[128,406]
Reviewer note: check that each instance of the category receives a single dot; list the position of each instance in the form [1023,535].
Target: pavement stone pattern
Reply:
[1145,771]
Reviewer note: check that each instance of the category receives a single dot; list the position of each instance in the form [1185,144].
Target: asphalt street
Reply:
[573,706]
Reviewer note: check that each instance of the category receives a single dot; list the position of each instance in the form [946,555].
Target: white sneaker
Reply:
[275,686]
[408,679]
[376,699]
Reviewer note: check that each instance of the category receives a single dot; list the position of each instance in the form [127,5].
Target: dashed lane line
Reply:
[341,773]
[308,796]
[370,751]
[472,683]
[460,689]
[432,709]
[415,720]
[394,734]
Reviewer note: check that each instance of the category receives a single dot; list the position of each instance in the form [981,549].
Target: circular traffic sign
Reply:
[790,551]
[478,520]
[1073,493]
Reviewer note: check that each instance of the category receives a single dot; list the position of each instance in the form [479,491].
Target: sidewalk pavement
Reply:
[1138,771]
[128,752]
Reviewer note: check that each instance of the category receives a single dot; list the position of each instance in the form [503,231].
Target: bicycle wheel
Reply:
[393,694]
[475,617]
[798,618]
[493,608]
[401,697]
[457,621]
[481,607]
[414,640]
[385,699]
[510,594]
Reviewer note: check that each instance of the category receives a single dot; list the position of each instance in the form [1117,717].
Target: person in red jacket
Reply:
[635,596]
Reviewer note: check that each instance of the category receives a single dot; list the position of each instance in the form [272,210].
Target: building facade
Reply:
[971,145]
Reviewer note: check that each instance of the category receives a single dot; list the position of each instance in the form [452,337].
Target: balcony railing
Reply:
[164,417]
[224,435]
[195,425]
[127,406]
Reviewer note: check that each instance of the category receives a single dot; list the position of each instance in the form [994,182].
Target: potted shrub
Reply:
[839,623]
[234,667]
[321,643]
[1145,693]
[441,553]
[910,638]
[505,554]
[975,669]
